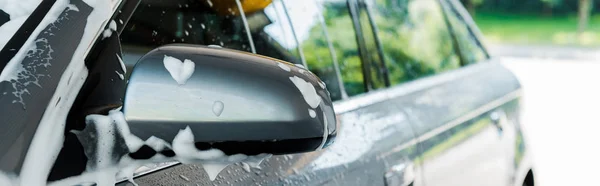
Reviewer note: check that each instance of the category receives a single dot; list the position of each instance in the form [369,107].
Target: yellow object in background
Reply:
[229,7]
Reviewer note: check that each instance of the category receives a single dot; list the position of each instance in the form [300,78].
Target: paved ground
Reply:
[544,51]
[561,111]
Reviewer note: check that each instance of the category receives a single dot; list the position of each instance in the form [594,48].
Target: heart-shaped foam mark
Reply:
[180,71]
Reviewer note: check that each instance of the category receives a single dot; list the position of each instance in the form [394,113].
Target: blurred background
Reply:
[553,47]
[538,22]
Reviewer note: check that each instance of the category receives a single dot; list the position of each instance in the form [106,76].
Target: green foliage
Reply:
[318,56]
[552,3]
[477,2]
[537,29]
[415,39]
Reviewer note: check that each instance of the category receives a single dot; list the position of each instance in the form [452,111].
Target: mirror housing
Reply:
[234,101]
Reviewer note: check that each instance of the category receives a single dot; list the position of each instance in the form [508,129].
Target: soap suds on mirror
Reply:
[213,160]
[180,71]
[284,66]
[120,75]
[312,113]
[322,85]
[325,132]
[121,63]
[308,91]
[218,107]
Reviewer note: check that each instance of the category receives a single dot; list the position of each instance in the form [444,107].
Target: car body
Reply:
[418,99]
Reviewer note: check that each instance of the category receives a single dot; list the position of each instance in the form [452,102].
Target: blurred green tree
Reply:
[471,5]
[550,5]
[585,9]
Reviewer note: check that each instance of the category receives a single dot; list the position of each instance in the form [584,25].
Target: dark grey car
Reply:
[408,94]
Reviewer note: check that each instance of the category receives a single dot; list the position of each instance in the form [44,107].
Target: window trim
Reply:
[383,66]
[365,63]
[289,19]
[455,44]
[455,7]
[355,7]
[334,59]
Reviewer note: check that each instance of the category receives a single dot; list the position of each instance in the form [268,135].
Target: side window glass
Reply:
[469,44]
[272,33]
[313,41]
[343,38]
[414,37]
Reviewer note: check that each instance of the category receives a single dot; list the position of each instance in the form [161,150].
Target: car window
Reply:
[414,37]
[218,23]
[339,24]
[203,22]
[315,43]
[372,54]
[470,46]
[278,30]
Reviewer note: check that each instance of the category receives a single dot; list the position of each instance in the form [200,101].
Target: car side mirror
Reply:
[233,101]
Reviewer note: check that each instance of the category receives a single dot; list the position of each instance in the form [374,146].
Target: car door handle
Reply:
[496,119]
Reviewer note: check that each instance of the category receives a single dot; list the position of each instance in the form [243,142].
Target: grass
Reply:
[537,29]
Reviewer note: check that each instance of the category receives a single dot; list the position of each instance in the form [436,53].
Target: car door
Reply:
[457,109]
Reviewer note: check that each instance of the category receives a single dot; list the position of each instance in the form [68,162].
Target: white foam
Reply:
[218,108]
[157,143]
[18,10]
[180,71]
[183,146]
[112,25]
[254,161]
[8,29]
[133,142]
[213,169]
[213,160]
[325,131]
[121,63]
[73,7]
[127,173]
[111,28]
[284,66]
[312,113]
[300,65]
[6,180]
[48,138]
[121,76]
[308,91]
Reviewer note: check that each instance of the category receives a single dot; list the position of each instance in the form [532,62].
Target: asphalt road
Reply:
[561,116]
